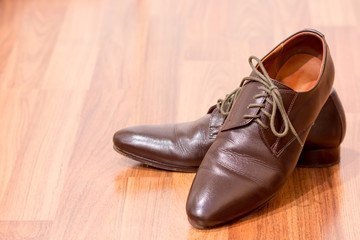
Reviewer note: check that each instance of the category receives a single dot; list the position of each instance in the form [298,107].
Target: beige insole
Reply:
[300,72]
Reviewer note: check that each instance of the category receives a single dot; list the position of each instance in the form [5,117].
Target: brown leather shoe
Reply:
[261,140]
[182,147]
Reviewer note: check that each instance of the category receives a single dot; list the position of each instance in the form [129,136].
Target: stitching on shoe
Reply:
[275,145]
[292,139]
[178,141]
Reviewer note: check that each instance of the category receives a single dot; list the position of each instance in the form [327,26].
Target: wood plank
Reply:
[41,153]
[25,230]
[73,72]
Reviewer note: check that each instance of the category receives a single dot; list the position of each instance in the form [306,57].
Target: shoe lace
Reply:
[225,105]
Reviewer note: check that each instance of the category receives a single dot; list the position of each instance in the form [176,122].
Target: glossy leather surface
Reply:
[247,164]
[182,146]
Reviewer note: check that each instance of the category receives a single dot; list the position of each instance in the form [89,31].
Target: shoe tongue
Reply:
[240,108]
[245,98]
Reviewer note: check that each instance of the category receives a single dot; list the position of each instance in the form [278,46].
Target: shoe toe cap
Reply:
[124,139]
[219,195]
[205,202]
[145,142]
[201,217]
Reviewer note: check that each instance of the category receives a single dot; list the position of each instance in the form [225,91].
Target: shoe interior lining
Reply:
[300,72]
[297,63]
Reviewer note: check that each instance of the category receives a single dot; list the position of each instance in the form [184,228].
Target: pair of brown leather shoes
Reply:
[285,114]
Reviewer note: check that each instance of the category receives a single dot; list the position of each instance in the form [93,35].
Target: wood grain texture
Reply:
[72,72]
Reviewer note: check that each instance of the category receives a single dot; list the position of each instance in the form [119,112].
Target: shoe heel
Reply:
[324,157]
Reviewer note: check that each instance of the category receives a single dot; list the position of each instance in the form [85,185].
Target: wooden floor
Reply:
[72,72]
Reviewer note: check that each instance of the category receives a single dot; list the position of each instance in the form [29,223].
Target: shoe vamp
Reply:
[245,174]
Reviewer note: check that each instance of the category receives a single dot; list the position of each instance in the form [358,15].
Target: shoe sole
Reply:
[156,164]
[318,158]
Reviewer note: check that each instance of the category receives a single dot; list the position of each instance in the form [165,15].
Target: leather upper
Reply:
[183,144]
[247,164]
[330,126]
[186,144]
[161,143]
